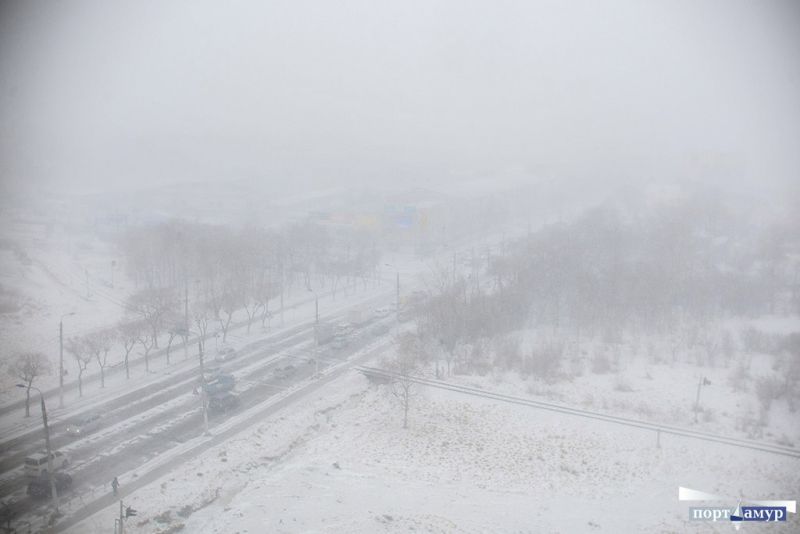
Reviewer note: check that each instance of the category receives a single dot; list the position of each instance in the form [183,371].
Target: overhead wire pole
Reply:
[186,320]
[50,472]
[203,395]
[398,296]
[397,289]
[61,359]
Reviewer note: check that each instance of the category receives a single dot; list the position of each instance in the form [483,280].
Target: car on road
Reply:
[382,312]
[223,403]
[380,329]
[340,342]
[40,488]
[85,424]
[285,372]
[219,383]
[225,354]
[343,329]
[36,464]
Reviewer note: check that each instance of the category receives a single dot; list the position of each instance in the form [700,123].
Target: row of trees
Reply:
[197,279]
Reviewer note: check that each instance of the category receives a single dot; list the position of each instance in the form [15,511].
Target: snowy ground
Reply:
[341,462]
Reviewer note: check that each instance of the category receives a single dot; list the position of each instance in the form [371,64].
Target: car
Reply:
[340,342]
[285,372]
[225,354]
[380,329]
[85,424]
[40,488]
[219,383]
[36,465]
[382,312]
[343,330]
[223,403]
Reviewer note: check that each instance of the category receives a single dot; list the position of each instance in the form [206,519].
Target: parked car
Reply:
[223,403]
[40,488]
[36,464]
[85,424]
[225,354]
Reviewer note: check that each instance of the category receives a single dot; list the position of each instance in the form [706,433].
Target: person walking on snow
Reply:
[115,485]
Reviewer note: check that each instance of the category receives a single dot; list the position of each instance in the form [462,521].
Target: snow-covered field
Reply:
[341,462]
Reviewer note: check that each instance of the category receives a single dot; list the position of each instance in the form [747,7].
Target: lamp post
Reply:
[203,392]
[61,359]
[316,317]
[397,306]
[50,472]
[703,382]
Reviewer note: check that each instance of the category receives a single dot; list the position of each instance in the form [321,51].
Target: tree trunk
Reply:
[80,382]
[169,345]
[102,376]
[28,401]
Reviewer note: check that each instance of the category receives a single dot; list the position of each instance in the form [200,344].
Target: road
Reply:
[158,418]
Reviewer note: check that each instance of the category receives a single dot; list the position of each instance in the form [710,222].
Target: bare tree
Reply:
[128,334]
[175,328]
[26,367]
[104,340]
[224,304]
[147,340]
[202,314]
[405,363]
[82,352]
[152,306]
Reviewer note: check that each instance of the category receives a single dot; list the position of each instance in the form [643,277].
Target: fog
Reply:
[358,267]
[97,94]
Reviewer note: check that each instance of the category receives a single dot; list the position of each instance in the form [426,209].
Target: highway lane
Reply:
[157,432]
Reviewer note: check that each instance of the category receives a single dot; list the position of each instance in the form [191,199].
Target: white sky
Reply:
[149,91]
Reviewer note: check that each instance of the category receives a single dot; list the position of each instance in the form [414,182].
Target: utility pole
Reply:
[186,320]
[121,518]
[61,359]
[50,473]
[282,281]
[203,396]
[61,363]
[703,382]
[316,319]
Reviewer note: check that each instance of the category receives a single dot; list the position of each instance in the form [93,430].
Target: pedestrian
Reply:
[115,485]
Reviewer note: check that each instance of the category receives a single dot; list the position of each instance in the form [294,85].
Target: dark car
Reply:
[219,383]
[285,372]
[40,488]
[85,424]
[223,403]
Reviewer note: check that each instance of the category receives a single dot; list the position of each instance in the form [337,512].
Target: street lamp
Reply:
[61,359]
[703,382]
[397,271]
[50,472]
[316,317]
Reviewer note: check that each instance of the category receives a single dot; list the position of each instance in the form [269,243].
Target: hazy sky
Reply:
[152,91]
